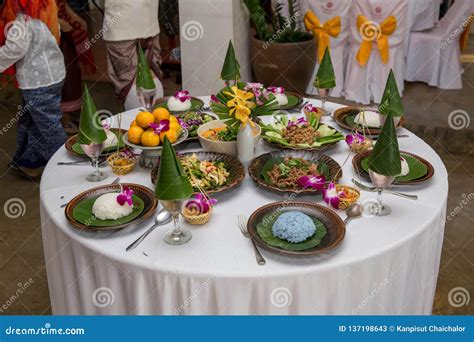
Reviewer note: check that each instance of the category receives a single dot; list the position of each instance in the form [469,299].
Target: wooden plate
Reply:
[336,229]
[357,165]
[341,114]
[145,194]
[73,140]
[296,98]
[257,164]
[232,164]
[196,104]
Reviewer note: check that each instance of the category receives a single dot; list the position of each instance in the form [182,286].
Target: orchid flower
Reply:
[300,121]
[125,196]
[201,202]
[276,90]
[253,85]
[182,123]
[331,196]
[182,95]
[106,125]
[162,126]
[354,138]
[215,99]
[312,181]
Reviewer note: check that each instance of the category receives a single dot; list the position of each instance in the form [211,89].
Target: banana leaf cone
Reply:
[391,100]
[385,157]
[144,79]
[325,78]
[172,183]
[231,67]
[90,127]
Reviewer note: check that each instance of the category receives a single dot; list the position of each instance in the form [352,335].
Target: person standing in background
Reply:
[77,52]
[126,24]
[30,44]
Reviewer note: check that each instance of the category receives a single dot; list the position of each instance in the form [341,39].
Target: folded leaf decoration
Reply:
[385,157]
[90,127]
[172,183]
[391,100]
[144,79]
[231,67]
[325,78]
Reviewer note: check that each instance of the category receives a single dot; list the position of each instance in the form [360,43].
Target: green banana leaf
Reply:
[417,168]
[325,77]
[231,67]
[391,100]
[90,127]
[144,79]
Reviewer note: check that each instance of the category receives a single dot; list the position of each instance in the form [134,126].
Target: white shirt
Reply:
[130,19]
[30,44]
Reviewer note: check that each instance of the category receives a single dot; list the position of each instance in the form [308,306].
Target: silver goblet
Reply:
[177,236]
[93,151]
[381,182]
[324,94]
[147,97]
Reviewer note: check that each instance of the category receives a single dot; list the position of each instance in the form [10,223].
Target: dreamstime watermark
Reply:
[369,31]
[196,292]
[286,202]
[376,288]
[14,208]
[15,31]
[458,296]
[21,288]
[102,118]
[192,30]
[459,119]
[101,32]
[103,297]
[457,32]
[21,111]
[294,18]
[47,329]
[462,204]
[281,297]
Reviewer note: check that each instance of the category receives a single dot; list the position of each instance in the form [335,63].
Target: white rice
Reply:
[282,99]
[175,105]
[111,140]
[368,118]
[106,207]
[405,167]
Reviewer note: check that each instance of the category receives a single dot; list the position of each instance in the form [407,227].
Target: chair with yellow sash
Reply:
[328,21]
[377,34]
[434,56]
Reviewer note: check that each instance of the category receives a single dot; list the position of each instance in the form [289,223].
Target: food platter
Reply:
[196,104]
[80,217]
[335,228]
[344,117]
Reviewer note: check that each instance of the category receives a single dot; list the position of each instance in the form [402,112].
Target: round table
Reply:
[385,265]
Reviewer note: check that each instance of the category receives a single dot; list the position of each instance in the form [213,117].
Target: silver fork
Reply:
[388,191]
[116,180]
[243,229]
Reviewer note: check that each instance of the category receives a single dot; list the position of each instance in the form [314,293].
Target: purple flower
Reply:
[300,121]
[125,196]
[276,90]
[253,85]
[215,99]
[182,123]
[331,196]
[354,138]
[162,126]
[182,95]
[201,202]
[312,181]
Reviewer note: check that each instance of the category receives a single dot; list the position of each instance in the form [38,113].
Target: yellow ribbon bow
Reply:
[370,31]
[330,28]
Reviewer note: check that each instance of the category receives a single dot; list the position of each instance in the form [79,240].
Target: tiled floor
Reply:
[427,109]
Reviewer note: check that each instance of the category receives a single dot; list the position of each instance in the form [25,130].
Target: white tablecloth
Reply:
[385,265]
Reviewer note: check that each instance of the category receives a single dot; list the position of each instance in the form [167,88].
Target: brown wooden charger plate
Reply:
[257,164]
[73,140]
[233,166]
[336,228]
[341,114]
[145,194]
[357,160]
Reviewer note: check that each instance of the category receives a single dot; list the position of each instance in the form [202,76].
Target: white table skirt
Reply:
[385,265]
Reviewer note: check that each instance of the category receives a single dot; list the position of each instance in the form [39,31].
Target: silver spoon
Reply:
[353,211]
[163,217]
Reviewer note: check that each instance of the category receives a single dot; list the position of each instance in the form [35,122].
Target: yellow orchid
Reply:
[240,105]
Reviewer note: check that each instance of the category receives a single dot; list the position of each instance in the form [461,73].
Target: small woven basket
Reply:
[317,114]
[352,195]
[197,219]
[362,147]
[127,159]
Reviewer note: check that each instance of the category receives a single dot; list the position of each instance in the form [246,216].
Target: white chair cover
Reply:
[325,10]
[365,84]
[132,101]
[433,56]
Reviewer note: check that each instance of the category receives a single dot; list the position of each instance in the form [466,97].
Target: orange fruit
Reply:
[144,119]
[173,119]
[135,134]
[161,113]
[171,135]
[174,126]
[134,123]
[150,139]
